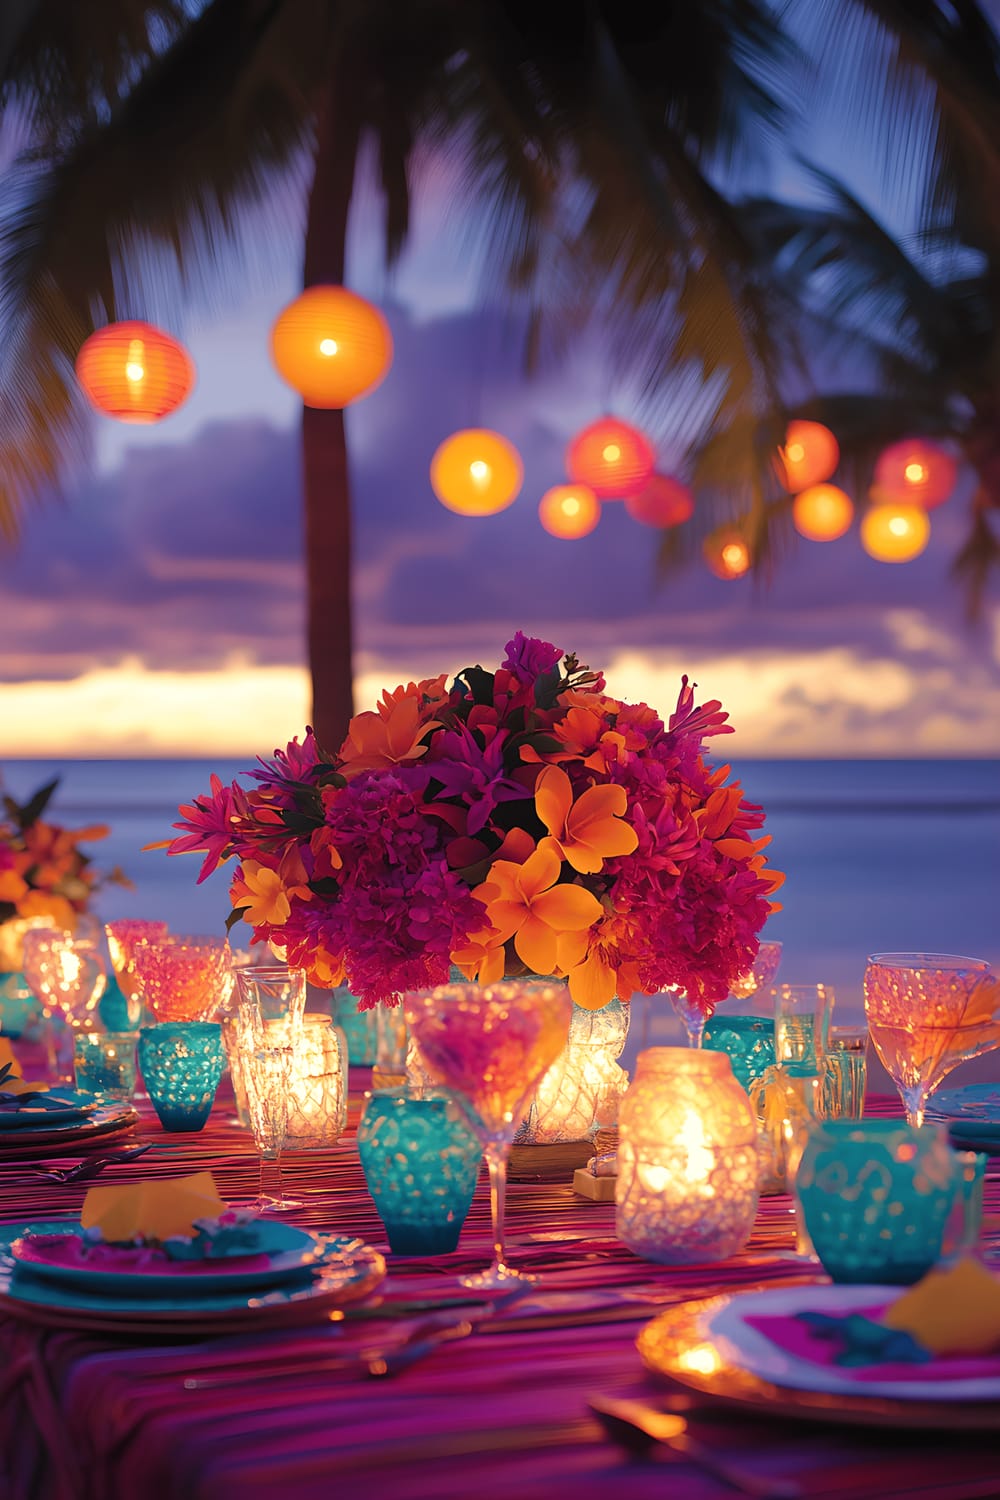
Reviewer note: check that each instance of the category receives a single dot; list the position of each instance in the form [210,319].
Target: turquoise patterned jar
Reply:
[181,1063]
[875,1197]
[748,1042]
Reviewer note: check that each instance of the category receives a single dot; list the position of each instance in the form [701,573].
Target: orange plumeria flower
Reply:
[46,904]
[377,740]
[483,957]
[588,831]
[527,903]
[12,886]
[431,693]
[260,891]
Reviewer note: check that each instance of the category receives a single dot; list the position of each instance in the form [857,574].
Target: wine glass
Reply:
[267,1074]
[492,1044]
[124,938]
[694,1013]
[928,1012]
[68,977]
[760,974]
[183,978]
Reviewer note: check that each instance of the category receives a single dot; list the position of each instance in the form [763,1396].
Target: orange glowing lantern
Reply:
[822,513]
[727,554]
[331,346]
[663,502]
[612,457]
[477,472]
[810,455]
[569,510]
[895,533]
[134,372]
[915,472]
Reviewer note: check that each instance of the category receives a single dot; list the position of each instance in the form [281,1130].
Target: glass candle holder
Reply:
[787,1106]
[104,1063]
[567,1102]
[317,1100]
[875,1198]
[124,938]
[233,1047]
[421,1161]
[845,1079]
[181,1064]
[687,1158]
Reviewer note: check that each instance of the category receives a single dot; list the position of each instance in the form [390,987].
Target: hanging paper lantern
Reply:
[810,455]
[134,372]
[476,472]
[727,554]
[612,457]
[663,502]
[331,346]
[822,513]
[915,472]
[895,533]
[569,510]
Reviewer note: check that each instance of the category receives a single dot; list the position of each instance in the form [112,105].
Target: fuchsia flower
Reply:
[521,816]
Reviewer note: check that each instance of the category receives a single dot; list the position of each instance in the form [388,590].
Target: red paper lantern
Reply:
[822,513]
[612,457]
[569,510]
[727,554]
[663,502]
[810,455]
[915,472]
[134,372]
[331,346]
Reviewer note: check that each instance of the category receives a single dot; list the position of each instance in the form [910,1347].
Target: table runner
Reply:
[501,1413]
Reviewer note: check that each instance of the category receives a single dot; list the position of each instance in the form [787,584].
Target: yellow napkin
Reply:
[14,1083]
[953,1311]
[154,1210]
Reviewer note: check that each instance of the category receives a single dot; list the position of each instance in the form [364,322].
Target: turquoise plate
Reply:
[65,1107]
[975,1101]
[293,1253]
[344,1270]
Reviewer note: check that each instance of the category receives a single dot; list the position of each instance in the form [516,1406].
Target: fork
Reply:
[85,1170]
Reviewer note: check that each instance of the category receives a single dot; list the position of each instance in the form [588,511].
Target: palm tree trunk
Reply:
[325,473]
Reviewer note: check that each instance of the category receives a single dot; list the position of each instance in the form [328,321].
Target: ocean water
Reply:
[880,855]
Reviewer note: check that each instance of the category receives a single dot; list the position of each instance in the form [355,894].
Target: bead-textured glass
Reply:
[748,1042]
[875,1198]
[687,1158]
[421,1161]
[104,1063]
[569,1101]
[181,1064]
[184,978]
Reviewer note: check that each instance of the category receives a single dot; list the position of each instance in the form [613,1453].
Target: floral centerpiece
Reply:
[520,820]
[44,874]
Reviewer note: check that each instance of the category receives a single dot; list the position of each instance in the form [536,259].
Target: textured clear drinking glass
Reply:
[928,1012]
[845,1079]
[801,1027]
[267,1072]
[276,992]
[492,1044]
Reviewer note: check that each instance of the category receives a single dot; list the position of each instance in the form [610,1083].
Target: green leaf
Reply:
[478,682]
[33,809]
[236,915]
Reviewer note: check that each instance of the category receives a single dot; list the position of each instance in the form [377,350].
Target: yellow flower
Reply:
[263,895]
[527,903]
[588,831]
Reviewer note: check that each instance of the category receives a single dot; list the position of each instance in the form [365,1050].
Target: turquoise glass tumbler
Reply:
[357,1026]
[181,1064]
[875,1197]
[421,1161]
[104,1063]
[748,1042]
[18,1006]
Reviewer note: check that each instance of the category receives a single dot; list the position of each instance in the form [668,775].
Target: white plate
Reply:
[748,1349]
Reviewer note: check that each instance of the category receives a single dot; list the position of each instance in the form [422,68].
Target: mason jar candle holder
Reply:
[104,1063]
[568,1101]
[421,1160]
[875,1198]
[181,1063]
[687,1158]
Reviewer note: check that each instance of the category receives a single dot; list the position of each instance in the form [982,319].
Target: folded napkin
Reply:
[951,1311]
[11,1081]
[151,1210]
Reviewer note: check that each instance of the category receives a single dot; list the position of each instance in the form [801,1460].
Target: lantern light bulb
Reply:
[796,452]
[899,525]
[134,371]
[328,346]
[612,453]
[571,506]
[915,473]
[480,470]
[735,556]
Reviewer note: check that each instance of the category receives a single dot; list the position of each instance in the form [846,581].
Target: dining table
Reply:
[499,1402]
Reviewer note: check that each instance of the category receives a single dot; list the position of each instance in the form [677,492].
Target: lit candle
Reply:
[687,1158]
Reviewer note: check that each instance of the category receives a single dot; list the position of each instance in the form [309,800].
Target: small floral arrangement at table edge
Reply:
[43,871]
[520,821]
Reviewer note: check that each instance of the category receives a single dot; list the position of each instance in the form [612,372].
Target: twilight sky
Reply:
[158,609]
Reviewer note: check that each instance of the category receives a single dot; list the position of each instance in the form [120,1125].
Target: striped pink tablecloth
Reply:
[502,1413]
